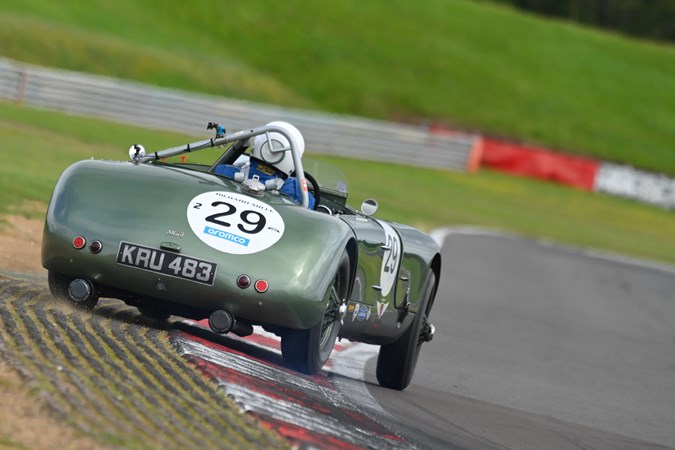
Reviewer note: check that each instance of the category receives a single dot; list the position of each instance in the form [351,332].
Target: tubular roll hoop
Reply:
[235,136]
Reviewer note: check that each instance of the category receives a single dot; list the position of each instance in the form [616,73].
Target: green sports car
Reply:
[214,240]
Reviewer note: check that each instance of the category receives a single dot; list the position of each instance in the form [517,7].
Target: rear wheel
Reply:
[396,362]
[58,285]
[308,350]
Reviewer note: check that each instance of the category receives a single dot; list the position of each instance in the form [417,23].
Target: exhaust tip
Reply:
[80,290]
[221,321]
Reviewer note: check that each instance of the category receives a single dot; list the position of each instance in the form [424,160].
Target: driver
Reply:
[267,165]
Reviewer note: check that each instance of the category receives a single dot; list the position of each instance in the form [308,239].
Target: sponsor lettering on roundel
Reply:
[234,223]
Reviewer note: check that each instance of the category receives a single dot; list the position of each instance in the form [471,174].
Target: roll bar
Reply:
[223,138]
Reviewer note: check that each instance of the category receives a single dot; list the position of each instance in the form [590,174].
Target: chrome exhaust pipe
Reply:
[429,332]
[222,322]
[80,290]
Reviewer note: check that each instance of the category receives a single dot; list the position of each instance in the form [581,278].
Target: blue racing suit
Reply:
[290,188]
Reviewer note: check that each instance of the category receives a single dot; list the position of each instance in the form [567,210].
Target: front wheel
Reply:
[396,362]
[308,350]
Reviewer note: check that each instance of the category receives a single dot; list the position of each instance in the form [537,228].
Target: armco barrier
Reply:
[168,109]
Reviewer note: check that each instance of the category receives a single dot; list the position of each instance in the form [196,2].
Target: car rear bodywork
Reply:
[118,202]
[177,238]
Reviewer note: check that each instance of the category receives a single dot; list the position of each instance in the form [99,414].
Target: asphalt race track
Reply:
[542,347]
[537,347]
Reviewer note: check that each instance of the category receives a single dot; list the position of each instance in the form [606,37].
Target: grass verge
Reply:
[107,373]
[37,145]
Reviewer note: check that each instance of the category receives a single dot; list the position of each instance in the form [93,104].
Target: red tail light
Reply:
[79,242]
[261,286]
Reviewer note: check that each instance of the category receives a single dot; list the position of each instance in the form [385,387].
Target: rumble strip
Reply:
[330,410]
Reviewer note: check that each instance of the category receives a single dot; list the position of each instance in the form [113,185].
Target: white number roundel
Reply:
[390,259]
[234,223]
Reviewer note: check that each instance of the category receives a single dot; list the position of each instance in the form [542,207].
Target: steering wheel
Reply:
[316,190]
[231,155]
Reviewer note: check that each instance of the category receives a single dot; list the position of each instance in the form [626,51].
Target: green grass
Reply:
[37,145]
[6,442]
[471,64]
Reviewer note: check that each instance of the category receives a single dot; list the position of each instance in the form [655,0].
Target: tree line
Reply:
[652,19]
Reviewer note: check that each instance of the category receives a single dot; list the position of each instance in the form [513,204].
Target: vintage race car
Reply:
[175,237]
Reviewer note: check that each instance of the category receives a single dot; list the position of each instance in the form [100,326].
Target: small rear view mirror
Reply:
[368,207]
[136,152]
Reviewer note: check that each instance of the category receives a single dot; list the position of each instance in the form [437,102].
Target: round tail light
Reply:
[243,281]
[79,242]
[95,246]
[261,286]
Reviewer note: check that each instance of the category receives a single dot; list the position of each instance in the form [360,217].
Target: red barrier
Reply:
[539,163]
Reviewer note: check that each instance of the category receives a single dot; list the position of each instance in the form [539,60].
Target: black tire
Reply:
[58,286]
[396,362]
[308,350]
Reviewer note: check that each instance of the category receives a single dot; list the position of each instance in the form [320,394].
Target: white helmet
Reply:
[281,160]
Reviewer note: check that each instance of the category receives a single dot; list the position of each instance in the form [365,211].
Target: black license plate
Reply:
[166,263]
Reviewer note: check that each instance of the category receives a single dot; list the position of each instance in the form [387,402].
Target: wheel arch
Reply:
[353,253]
[435,267]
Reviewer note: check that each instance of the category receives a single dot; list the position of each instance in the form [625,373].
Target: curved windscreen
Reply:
[330,178]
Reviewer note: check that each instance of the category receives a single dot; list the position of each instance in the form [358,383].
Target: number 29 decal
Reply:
[234,223]
[390,259]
